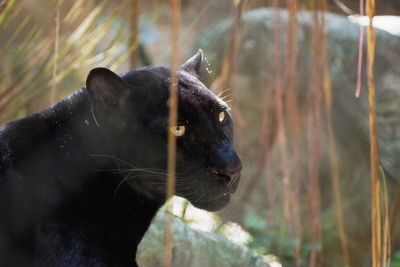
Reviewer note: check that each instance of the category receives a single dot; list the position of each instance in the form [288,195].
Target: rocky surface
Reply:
[193,248]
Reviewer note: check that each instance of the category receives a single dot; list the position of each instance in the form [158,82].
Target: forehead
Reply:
[194,92]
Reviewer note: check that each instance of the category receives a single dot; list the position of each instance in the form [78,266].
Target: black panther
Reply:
[81,180]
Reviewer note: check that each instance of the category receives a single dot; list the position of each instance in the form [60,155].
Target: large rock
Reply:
[193,248]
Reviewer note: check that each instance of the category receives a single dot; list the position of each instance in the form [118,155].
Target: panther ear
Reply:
[107,88]
[193,64]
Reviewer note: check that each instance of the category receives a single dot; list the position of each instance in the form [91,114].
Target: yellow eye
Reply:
[178,130]
[221,116]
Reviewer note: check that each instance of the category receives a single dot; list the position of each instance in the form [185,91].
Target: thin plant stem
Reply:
[280,120]
[386,250]
[135,5]
[175,6]
[314,136]
[56,53]
[6,10]
[374,157]
[294,123]
[334,169]
[333,157]
[360,52]
[229,66]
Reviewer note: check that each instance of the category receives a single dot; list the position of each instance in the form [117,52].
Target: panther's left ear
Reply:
[106,88]
[193,64]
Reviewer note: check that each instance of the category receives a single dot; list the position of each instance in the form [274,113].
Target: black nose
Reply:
[230,174]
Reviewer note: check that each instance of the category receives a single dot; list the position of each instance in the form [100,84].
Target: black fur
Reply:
[81,181]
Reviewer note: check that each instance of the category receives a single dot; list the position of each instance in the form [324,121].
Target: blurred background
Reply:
[289,70]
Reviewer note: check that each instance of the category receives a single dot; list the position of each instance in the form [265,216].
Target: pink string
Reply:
[360,51]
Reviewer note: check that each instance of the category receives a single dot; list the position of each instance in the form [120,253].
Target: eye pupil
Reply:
[178,130]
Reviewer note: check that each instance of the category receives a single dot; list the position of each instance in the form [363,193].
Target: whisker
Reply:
[156,177]
[226,96]
[150,171]
[223,91]
[114,158]
[178,184]
[121,183]
[200,197]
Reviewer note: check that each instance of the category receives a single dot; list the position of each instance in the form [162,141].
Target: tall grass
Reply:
[79,41]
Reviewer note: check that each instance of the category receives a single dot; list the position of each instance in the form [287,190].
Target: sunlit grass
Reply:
[95,41]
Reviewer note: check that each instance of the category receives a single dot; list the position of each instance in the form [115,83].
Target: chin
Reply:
[214,204]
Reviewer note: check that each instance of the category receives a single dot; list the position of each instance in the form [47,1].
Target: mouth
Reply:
[214,191]
[216,203]
[233,184]
[212,200]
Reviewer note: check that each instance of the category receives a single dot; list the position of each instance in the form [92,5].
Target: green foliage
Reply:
[274,238]
[395,262]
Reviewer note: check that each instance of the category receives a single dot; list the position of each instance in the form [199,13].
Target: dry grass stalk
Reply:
[394,211]
[386,234]
[294,125]
[280,119]
[229,65]
[333,156]
[360,52]
[5,9]
[285,78]
[380,228]
[175,6]
[374,157]
[135,6]
[314,136]
[56,53]
[334,166]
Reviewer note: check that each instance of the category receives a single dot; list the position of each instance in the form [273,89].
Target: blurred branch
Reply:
[374,158]
[134,37]
[223,81]
[3,5]
[175,6]
[395,211]
[314,129]
[229,66]
[343,7]
[360,52]
[5,9]
[144,56]
[56,53]
[334,166]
